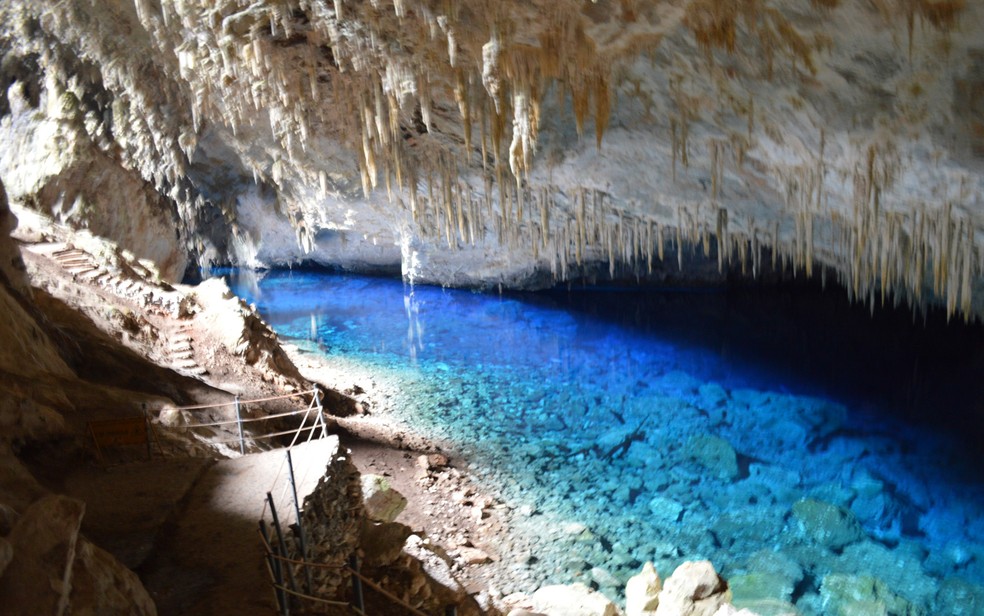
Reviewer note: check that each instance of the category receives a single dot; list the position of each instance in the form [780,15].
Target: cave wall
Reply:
[30,362]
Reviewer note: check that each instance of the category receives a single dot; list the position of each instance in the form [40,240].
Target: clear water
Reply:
[806,449]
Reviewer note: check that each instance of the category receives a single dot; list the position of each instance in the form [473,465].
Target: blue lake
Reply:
[824,460]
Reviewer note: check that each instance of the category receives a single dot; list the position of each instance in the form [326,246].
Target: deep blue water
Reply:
[803,446]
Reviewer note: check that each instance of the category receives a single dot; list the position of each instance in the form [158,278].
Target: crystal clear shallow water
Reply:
[760,430]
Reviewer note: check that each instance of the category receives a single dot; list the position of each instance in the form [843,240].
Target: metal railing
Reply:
[279,565]
[314,412]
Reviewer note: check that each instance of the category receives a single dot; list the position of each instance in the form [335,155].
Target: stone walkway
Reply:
[189,527]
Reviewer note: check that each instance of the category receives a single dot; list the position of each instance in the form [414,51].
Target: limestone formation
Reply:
[382,502]
[694,589]
[572,600]
[642,592]
[53,570]
[838,140]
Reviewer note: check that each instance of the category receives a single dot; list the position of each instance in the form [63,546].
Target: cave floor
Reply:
[188,526]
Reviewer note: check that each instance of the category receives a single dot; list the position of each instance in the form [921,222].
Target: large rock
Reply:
[694,589]
[958,597]
[572,600]
[642,592]
[382,543]
[729,610]
[52,570]
[826,524]
[38,579]
[715,454]
[860,595]
[900,569]
[6,554]
[102,585]
[429,581]
[382,502]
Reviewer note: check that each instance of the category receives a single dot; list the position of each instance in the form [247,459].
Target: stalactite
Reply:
[723,249]
[545,207]
[659,241]
[679,247]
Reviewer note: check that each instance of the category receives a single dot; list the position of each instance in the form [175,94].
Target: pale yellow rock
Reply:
[694,589]
[572,600]
[382,502]
[642,592]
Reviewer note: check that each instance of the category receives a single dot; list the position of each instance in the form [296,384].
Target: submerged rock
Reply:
[900,569]
[715,454]
[959,598]
[851,595]
[826,524]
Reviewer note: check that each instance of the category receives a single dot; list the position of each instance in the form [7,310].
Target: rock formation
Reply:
[483,143]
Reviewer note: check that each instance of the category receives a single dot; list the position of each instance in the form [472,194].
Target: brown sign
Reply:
[119,432]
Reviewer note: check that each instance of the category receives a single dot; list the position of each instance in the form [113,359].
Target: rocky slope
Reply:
[487,143]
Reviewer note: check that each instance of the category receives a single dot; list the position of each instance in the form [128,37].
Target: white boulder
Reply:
[642,592]
[572,600]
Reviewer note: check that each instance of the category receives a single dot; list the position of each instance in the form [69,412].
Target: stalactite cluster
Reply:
[442,104]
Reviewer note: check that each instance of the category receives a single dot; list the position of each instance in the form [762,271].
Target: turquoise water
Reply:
[823,460]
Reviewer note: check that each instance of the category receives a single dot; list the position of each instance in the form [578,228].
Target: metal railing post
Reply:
[274,565]
[321,413]
[357,598]
[239,421]
[300,525]
[281,542]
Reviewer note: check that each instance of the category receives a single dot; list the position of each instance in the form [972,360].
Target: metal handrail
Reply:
[220,404]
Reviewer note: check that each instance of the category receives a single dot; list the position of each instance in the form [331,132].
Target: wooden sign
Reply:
[119,432]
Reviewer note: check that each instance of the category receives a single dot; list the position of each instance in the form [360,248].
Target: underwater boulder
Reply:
[715,454]
[826,524]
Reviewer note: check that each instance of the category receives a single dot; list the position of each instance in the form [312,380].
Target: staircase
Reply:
[85,268]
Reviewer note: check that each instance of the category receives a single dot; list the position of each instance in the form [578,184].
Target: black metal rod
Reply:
[357,598]
[273,564]
[281,542]
[300,526]
[239,421]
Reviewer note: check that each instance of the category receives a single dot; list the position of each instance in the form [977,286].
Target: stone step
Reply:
[81,268]
[68,253]
[73,261]
[183,355]
[47,248]
[92,274]
[185,364]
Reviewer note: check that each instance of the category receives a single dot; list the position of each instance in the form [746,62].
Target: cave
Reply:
[553,307]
